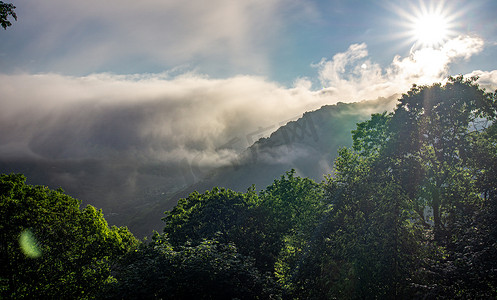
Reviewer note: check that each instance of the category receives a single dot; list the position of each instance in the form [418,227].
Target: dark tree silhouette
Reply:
[6,10]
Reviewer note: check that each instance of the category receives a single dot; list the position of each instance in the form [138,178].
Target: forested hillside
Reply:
[309,145]
[408,211]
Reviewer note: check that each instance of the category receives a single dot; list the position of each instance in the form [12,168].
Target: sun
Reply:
[430,29]
[427,25]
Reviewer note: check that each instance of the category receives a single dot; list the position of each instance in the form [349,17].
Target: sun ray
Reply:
[427,24]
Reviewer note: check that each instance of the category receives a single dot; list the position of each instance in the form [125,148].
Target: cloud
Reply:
[354,76]
[154,117]
[75,36]
[486,79]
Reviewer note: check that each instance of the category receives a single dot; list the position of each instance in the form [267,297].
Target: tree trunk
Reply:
[436,215]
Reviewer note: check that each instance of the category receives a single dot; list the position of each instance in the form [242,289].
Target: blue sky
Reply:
[280,40]
[193,75]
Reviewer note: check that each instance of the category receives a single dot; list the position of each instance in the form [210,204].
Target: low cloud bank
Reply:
[59,117]
[171,118]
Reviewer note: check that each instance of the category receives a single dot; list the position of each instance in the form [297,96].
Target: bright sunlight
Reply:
[428,25]
[431,29]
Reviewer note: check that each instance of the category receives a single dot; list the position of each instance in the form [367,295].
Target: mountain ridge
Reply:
[308,145]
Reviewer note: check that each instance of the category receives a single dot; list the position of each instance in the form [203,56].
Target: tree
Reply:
[371,136]
[295,207]
[204,215]
[438,149]
[229,217]
[6,10]
[272,227]
[433,129]
[412,203]
[368,244]
[469,267]
[50,248]
[208,270]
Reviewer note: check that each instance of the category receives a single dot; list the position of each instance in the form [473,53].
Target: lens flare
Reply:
[29,245]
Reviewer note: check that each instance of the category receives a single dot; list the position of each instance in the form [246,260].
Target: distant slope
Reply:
[309,145]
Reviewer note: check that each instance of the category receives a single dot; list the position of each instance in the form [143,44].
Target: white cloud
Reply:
[353,75]
[486,79]
[152,116]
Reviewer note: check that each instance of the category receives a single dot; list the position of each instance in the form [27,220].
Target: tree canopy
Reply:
[6,10]
[413,203]
[50,248]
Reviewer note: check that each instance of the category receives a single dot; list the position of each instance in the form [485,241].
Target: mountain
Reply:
[135,191]
[309,145]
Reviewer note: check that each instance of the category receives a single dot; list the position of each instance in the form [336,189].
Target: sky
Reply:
[279,40]
[165,80]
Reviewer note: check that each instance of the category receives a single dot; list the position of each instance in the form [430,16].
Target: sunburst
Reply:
[430,29]
[428,24]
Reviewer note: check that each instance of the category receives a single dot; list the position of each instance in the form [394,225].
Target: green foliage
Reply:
[272,227]
[469,268]
[372,135]
[209,270]
[294,203]
[204,215]
[227,216]
[412,203]
[295,206]
[369,242]
[49,247]
[6,10]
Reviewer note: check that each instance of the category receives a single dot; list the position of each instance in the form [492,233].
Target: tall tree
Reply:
[369,242]
[468,268]
[433,129]
[411,202]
